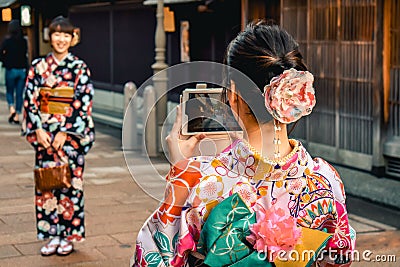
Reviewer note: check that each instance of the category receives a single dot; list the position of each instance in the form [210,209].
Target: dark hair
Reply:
[14,28]
[261,52]
[61,24]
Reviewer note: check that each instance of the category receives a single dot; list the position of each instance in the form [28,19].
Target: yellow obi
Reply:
[56,100]
[311,243]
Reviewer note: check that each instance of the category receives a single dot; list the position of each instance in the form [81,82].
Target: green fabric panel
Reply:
[223,237]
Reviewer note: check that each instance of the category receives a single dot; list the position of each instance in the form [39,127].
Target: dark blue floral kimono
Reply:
[60,212]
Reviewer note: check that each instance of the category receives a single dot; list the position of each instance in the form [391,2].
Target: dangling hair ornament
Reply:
[75,37]
[288,97]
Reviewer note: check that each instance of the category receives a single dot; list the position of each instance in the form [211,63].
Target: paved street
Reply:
[115,206]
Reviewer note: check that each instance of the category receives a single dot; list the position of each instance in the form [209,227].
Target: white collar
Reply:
[59,61]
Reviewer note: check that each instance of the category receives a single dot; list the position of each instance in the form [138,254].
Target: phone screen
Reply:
[207,113]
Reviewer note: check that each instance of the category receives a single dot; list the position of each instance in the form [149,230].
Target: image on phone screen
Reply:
[206,113]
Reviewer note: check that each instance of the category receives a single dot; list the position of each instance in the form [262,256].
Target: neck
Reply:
[261,137]
[60,56]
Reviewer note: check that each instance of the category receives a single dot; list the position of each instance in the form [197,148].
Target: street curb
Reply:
[364,185]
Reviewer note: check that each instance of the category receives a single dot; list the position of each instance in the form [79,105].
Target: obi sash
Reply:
[223,239]
[56,100]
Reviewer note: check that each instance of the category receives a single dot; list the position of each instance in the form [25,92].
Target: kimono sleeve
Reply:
[32,115]
[77,118]
[339,250]
[164,239]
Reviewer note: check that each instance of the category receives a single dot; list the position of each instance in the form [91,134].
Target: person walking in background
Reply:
[63,127]
[13,54]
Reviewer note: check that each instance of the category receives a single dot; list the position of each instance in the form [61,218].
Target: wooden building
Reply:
[351,47]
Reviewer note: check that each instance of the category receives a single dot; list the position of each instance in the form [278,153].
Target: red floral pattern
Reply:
[310,190]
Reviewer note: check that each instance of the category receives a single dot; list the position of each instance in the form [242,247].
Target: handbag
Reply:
[56,177]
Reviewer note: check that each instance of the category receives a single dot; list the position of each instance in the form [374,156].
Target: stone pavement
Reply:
[115,208]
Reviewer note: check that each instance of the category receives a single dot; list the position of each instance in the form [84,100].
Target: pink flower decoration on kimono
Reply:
[290,95]
[274,231]
[139,257]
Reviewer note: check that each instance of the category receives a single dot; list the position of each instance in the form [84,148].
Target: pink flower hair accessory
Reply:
[290,95]
[274,231]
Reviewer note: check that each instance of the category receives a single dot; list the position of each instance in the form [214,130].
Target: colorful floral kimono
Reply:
[60,212]
[310,190]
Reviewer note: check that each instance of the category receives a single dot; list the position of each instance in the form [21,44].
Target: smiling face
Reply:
[60,42]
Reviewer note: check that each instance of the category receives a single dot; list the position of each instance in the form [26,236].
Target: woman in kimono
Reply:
[68,135]
[262,195]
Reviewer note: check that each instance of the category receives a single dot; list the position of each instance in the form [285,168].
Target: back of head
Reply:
[61,24]
[262,51]
[14,28]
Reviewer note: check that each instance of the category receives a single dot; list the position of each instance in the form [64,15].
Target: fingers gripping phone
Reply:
[204,112]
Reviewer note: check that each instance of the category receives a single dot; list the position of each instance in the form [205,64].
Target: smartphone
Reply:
[204,112]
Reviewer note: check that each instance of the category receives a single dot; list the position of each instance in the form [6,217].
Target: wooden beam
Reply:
[244,13]
[387,5]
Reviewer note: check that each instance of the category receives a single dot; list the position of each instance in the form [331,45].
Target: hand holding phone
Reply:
[205,125]
[179,146]
[204,112]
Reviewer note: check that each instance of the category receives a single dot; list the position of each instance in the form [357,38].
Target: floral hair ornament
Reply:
[75,37]
[288,97]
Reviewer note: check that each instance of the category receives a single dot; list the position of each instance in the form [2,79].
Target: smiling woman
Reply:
[61,33]
[60,42]
[58,124]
